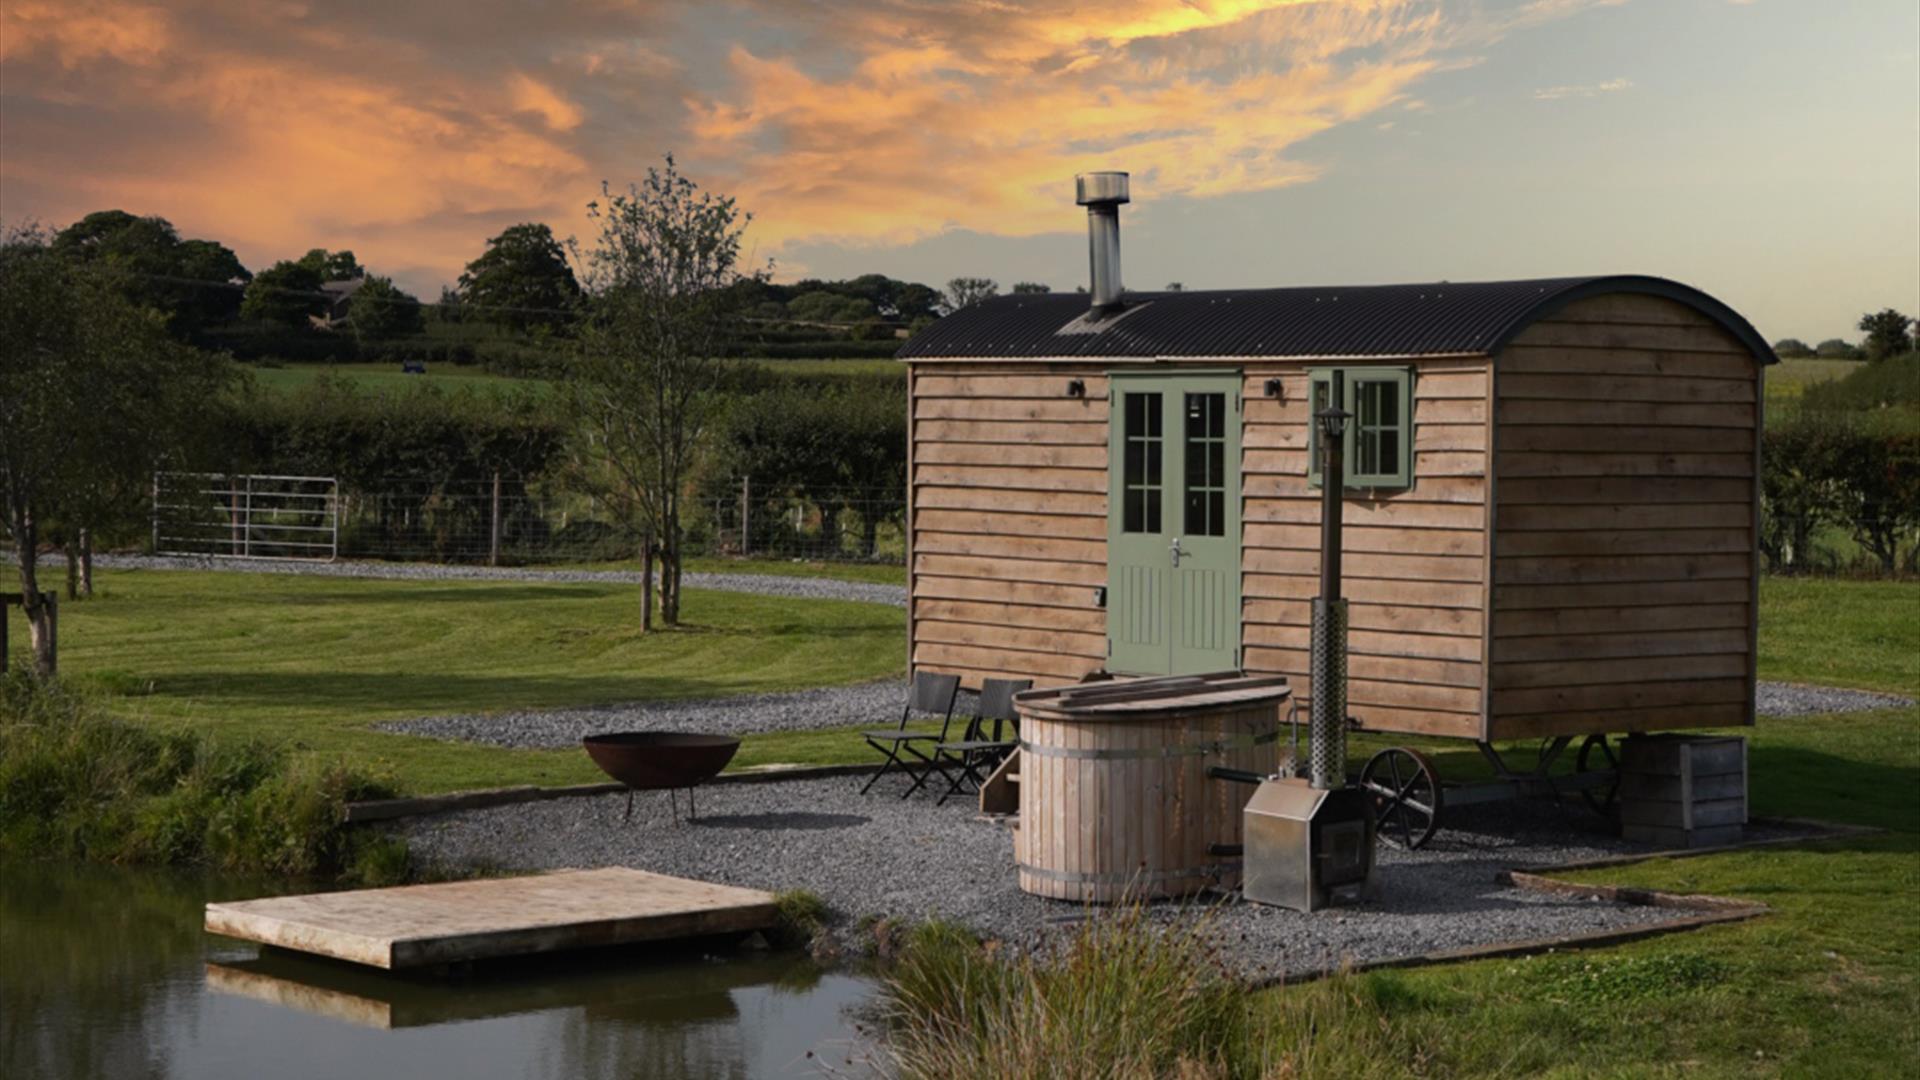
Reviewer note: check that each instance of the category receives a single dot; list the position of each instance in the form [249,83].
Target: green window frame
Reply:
[1379,441]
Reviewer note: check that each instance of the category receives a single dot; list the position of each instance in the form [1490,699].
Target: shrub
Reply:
[1893,383]
[1836,349]
[78,783]
[1791,349]
[1843,468]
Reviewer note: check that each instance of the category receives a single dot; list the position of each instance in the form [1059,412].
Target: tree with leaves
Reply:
[1889,333]
[1027,287]
[522,281]
[287,293]
[93,395]
[333,265]
[661,312]
[962,291]
[193,283]
[379,310]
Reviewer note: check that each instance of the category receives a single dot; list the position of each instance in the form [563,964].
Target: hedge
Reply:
[1850,471]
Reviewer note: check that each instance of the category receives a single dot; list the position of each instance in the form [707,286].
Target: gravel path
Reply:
[868,703]
[806,588]
[804,710]
[879,855]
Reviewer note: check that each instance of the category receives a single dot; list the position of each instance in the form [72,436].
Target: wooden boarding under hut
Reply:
[1551,510]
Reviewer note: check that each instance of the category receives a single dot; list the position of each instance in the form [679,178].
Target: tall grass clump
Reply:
[76,782]
[1119,997]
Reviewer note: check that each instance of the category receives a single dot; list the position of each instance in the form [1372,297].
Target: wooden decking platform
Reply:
[423,925]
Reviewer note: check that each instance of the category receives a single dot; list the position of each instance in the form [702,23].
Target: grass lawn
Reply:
[319,659]
[871,573]
[291,377]
[1788,379]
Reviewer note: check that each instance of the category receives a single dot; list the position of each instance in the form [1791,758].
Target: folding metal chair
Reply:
[976,755]
[929,694]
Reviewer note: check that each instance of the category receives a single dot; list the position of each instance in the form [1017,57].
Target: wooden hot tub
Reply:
[1115,802]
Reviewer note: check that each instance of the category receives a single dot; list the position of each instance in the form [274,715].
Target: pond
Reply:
[105,972]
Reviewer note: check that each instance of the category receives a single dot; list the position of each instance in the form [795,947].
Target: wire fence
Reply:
[508,522]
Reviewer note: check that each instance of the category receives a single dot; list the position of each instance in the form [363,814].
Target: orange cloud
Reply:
[410,132]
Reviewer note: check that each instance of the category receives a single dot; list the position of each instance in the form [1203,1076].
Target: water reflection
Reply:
[106,973]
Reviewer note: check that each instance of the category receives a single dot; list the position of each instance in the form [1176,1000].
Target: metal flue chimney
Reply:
[1102,193]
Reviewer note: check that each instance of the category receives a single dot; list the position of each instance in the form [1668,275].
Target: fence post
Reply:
[493,542]
[646,582]
[746,492]
[52,600]
[246,533]
[156,519]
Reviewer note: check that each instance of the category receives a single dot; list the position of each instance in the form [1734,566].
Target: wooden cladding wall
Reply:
[1414,571]
[1624,522]
[1009,525]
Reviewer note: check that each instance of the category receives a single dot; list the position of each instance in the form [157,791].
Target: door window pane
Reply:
[1140,464]
[1205,445]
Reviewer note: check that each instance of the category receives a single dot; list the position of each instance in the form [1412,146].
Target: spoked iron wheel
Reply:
[1406,796]
[1596,754]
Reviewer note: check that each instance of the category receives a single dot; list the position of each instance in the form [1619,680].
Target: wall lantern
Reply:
[1077,388]
[1273,388]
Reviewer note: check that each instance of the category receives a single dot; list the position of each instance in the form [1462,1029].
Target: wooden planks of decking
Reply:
[424,925]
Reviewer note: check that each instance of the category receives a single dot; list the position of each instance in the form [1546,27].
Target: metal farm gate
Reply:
[247,516]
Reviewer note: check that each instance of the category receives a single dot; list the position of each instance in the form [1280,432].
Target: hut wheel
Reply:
[1406,796]
[1596,754]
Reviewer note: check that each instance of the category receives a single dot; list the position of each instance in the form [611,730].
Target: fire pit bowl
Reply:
[653,760]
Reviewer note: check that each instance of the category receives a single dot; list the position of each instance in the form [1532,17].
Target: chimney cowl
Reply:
[1102,193]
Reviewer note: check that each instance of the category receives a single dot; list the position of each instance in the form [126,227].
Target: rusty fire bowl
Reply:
[652,760]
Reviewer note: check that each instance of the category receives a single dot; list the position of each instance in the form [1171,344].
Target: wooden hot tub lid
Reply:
[1123,699]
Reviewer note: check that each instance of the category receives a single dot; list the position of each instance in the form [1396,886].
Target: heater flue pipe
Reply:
[1327,720]
[1103,193]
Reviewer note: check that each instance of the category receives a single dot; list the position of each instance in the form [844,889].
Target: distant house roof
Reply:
[1439,319]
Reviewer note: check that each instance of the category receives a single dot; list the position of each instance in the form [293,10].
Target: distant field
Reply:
[290,377]
[1788,379]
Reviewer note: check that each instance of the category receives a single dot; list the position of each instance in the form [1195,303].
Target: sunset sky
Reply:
[1767,151]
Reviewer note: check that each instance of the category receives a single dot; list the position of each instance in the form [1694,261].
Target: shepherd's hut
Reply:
[1550,518]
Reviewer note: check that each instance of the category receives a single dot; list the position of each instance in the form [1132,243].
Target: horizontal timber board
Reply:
[1440,594]
[1372,681]
[1623,489]
[1616,516]
[1009,433]
[1429,648]
[1586,570]
[1644,309]
[1676,541]
[1509,597]
[1642,388]
[1012,661]
[1632,463]
[1031,616]
[942,587]
[1057,549]
[992,500]
[1618,620]
[965,453]
[1621,696]
[1615,438]
[1614,721]
[996,385]
[1437,489]
[1360,513]
[1063,526]
[1394,618]
[1038,571]
[1624,413]
[1635,669]
[1012,479]
[1066,643]
[1620,645]
[1610,335]
[1548,360]
[1061,410]
[1367,538]
[1426,463]
[1368,565]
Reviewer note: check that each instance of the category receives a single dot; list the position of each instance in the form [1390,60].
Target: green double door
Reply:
[1173,524]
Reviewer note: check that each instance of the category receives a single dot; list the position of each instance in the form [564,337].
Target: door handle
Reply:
[1174,550]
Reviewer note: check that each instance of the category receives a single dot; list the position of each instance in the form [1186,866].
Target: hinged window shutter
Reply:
[1378,448]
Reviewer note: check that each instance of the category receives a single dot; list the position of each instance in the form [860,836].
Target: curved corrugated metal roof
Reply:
[1441,319]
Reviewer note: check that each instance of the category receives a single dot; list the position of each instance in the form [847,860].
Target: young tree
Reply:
[1889,333]
[962,291]
[1020,287]
[92,394]
[660,313]
[522,280]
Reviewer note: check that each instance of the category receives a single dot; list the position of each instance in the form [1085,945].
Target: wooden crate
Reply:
[1683,791]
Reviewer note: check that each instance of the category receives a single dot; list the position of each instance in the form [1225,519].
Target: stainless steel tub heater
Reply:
[1309,840]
